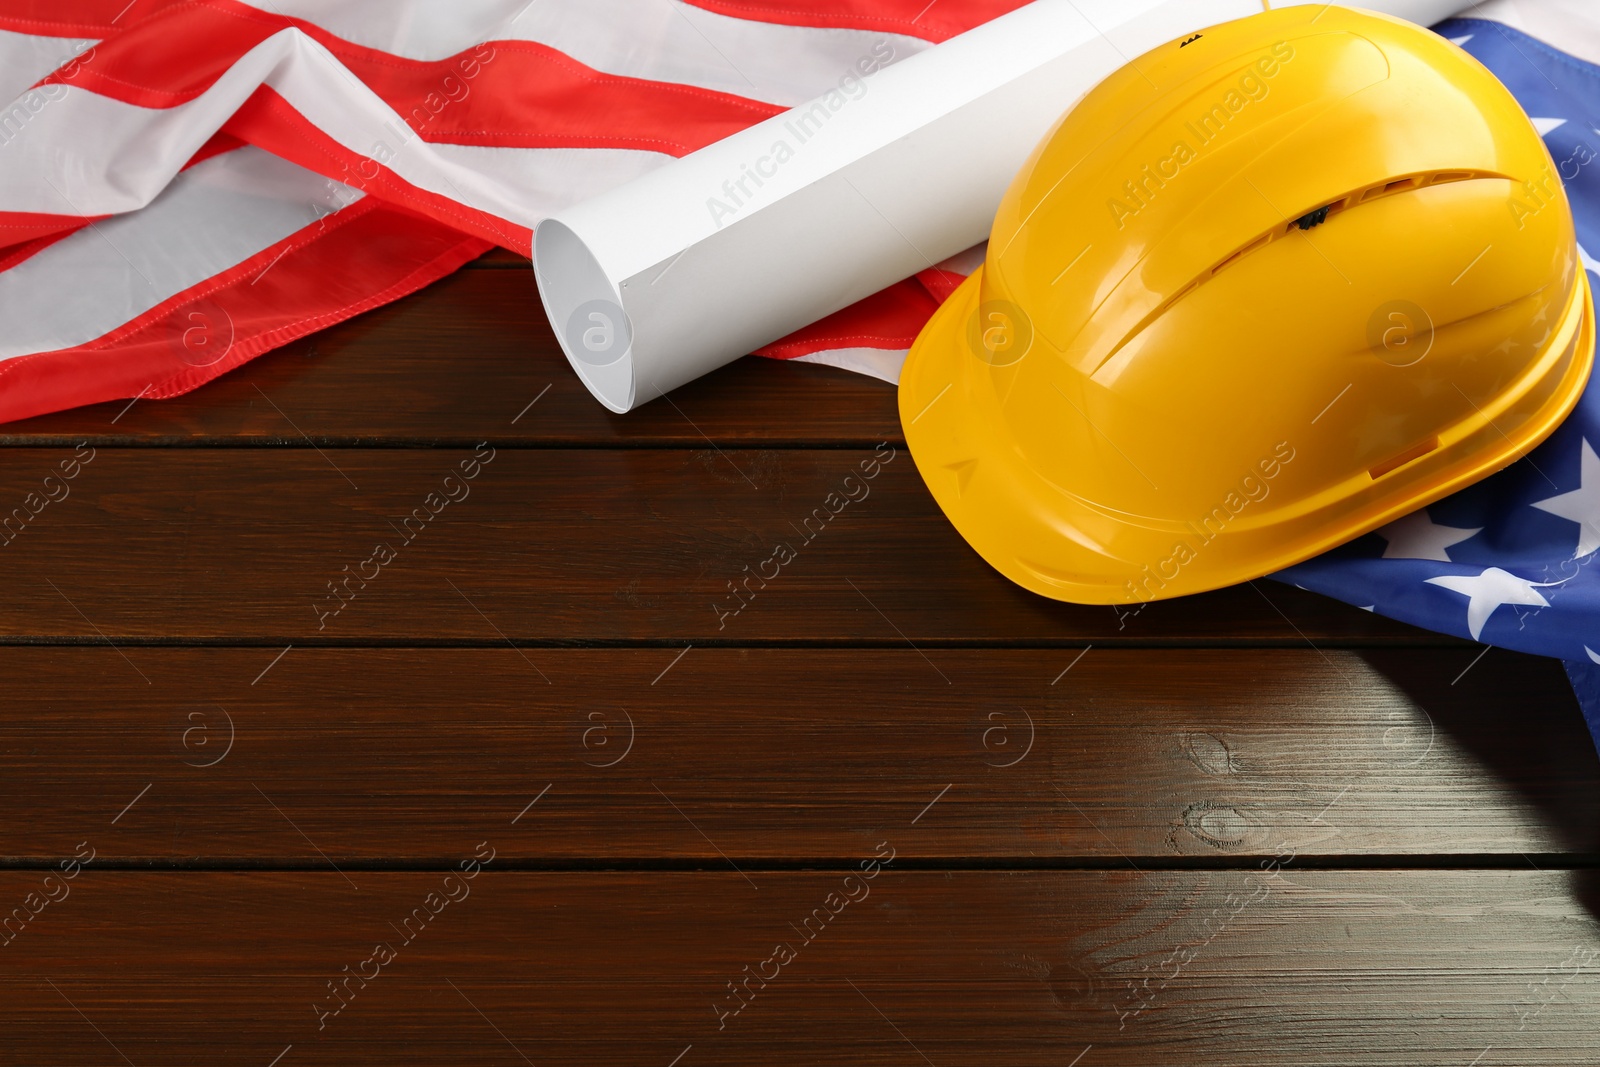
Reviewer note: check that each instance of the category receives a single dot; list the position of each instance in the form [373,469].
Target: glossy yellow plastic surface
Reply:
[1262,291]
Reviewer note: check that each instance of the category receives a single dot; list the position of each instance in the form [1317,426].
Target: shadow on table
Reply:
[1516,714]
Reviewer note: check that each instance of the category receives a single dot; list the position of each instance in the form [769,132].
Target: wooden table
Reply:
[389,702]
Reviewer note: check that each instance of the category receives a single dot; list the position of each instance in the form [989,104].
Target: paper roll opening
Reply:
[586,313]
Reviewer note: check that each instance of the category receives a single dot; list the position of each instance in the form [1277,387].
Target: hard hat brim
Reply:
[1065,548]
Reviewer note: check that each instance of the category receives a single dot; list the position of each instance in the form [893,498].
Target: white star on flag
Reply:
[1544,126]
[1418,537]
[1581,505]
[1492,589]
[1589,262]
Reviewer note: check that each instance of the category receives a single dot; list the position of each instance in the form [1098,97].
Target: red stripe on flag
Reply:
[20,253]
[889,319]
[360,258]
[75,18]
[937,21]
[270,122]
[528,95]
[941,283]
[19,226]
[917,18]
[503,93]
[219,143]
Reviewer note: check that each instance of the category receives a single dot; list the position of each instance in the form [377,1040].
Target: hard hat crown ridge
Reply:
[1264,289]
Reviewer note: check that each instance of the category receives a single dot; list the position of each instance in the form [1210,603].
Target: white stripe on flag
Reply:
[552,178]
[56,162]
[661,40]
[884,363]
[25,59]
[212,217]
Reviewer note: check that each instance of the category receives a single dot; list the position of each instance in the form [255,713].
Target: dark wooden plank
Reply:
[570,545]
[500,259]
[1143,756]
[457,363]
[948,968]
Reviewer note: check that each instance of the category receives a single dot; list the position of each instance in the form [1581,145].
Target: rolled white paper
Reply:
[691,266]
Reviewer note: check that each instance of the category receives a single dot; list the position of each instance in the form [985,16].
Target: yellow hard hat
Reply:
[1265,289]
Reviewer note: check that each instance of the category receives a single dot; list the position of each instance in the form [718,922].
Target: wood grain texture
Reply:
[1142,757]
[1252,827]
[568,546]
[457,363]
[948,968]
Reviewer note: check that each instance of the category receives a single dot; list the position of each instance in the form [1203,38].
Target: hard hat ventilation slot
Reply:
[1319,215]
[1251,247]
[1314,218]
[1349,201]
[1394,463]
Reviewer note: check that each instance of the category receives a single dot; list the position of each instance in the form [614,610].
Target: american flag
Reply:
[1511,561]
[185,185]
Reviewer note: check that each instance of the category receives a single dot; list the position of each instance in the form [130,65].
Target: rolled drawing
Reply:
[903,165]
